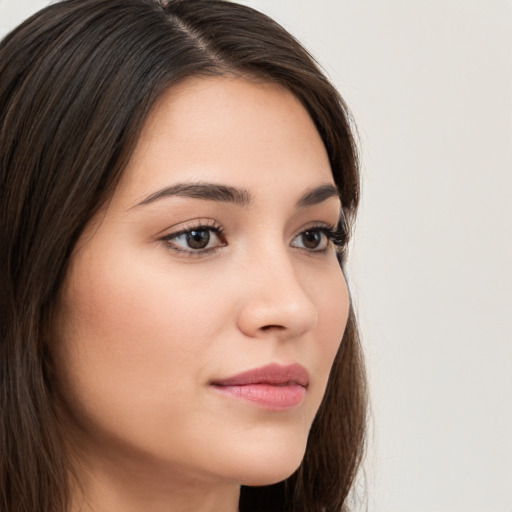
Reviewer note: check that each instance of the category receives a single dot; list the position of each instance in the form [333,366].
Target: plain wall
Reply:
[430,86]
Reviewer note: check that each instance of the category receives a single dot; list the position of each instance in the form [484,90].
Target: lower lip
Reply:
[267,396]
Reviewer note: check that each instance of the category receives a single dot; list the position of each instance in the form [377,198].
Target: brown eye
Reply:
[195,241]
[311,239]
[315,240]
[198,239]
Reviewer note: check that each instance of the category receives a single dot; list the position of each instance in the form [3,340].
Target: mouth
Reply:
[273,387]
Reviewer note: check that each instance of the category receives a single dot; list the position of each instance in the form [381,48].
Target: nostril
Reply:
[269,327]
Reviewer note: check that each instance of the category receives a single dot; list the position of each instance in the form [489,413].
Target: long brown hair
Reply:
[77,81]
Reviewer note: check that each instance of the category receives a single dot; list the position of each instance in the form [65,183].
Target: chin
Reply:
[271,468]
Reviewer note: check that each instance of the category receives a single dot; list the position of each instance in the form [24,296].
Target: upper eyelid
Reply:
[312,226]
[184,227]
[316,225]
[199,227]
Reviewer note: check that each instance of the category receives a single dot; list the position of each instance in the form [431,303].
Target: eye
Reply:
[314,239]
[195,240]
[320,238]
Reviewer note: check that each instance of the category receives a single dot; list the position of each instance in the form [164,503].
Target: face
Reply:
[204,305]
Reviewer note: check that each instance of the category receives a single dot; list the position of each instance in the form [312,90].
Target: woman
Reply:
[178,183]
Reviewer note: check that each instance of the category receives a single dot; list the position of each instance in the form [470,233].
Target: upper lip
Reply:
[274,374]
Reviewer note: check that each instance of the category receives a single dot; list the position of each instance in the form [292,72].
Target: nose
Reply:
[274,300]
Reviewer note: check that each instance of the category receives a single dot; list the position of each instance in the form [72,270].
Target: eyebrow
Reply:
[206,191]
[318,195]
[237,196]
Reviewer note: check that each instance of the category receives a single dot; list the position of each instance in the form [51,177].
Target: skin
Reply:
[143,327]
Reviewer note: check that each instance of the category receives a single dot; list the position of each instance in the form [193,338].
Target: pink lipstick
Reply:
[273,387]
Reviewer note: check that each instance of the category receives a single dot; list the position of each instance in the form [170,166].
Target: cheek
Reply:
[130,336]
[333,301]
[127,302]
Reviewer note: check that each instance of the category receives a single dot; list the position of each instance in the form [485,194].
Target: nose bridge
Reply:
[275,298]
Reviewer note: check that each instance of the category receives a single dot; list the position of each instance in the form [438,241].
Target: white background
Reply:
[430,85]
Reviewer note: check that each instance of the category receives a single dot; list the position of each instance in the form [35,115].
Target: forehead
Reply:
[226,129]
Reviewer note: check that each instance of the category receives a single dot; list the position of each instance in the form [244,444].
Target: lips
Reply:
[272,387]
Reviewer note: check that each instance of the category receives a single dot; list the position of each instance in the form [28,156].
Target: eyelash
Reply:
[335,235]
